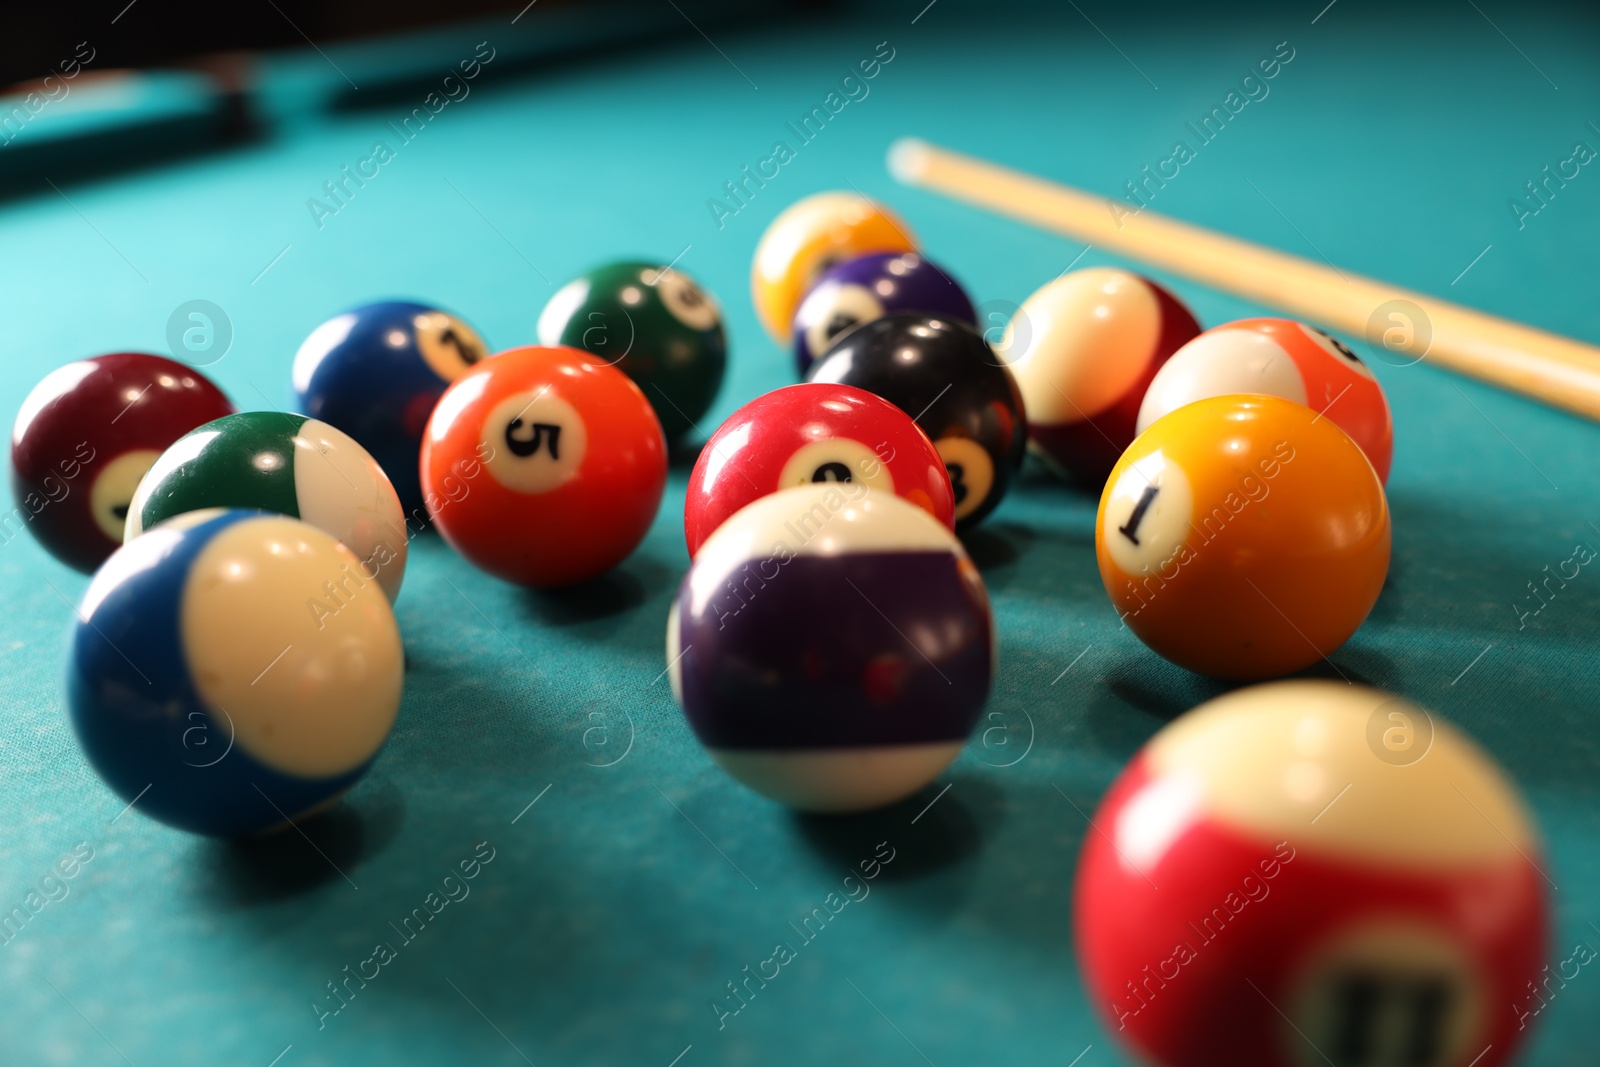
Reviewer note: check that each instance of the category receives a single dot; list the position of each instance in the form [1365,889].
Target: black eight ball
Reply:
[945,376]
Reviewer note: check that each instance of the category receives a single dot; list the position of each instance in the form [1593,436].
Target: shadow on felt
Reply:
[996,546]
[1162,691]
[639,578]
[957,840]
[298,859]
[683,455]
[930,832]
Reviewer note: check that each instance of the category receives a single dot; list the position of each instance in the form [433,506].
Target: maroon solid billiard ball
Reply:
[808,433]
[944,375]
[1313,872]
[85,436]
[1084,349]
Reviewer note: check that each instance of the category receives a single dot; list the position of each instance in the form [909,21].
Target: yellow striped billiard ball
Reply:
[807,238]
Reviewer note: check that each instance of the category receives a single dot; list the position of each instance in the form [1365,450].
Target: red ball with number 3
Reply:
[814,432]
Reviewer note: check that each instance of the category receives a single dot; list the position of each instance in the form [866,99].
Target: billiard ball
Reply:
[868,701]
[807,238]
[808,433]
[85,436]
[230,672]
[287,464]
[1279,357]
[1243,537]
[870,287]
[544,466]
[375,372]
[1312,872]
[943,374]
[1083,349]
[655,325]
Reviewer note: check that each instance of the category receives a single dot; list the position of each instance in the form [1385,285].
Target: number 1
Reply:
[1130,529]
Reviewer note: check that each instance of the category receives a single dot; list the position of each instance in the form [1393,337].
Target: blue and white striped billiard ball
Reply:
[230,672]
[832,647]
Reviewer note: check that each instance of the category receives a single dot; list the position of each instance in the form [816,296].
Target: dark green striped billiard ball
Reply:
[291,465]
[653,324]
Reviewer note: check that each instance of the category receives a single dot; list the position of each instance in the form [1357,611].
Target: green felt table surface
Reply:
[642,879]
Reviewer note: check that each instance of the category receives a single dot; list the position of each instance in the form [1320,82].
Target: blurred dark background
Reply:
[155,81]
[179,32]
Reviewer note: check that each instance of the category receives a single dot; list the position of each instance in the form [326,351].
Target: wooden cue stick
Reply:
[1557,370]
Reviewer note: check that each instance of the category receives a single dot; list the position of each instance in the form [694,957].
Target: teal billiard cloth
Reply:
[629,881]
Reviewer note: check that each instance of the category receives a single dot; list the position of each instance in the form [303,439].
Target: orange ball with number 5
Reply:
[543,466]
[1243,536]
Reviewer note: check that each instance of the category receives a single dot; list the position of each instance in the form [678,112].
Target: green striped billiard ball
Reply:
[652,323]
[291,465]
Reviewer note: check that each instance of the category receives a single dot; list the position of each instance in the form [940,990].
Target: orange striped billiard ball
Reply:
[1284,358]
[543,466]
[1243,536]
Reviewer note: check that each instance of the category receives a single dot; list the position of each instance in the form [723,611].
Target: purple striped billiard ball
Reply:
[832,647]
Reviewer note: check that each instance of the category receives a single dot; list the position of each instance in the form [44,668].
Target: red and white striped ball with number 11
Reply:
[1310,873]
[1083,350]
